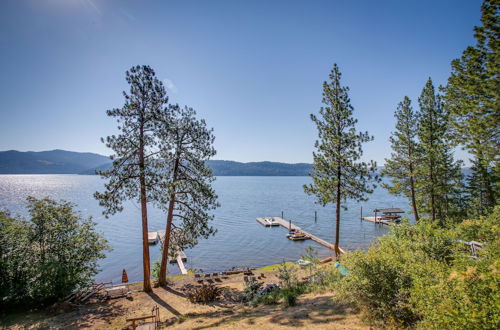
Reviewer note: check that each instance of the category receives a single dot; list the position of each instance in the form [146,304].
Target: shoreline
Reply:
[180,277]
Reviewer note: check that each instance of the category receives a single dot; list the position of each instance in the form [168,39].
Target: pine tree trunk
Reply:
[486,182]
[337,215]
[433,208]
[433,183]
[412,193]
[168,229]
[144,213]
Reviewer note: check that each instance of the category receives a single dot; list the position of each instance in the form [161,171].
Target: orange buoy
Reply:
[124,277]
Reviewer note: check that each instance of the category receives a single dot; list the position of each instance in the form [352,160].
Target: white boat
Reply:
[271,222]
[153,237]
[302,262]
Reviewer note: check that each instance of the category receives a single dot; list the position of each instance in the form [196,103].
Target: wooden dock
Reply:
[180,256]
[286,224]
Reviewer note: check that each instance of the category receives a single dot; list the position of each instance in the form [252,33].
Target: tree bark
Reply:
[168,228]
[144,213]
[490,194]
[337,215]
[412,193]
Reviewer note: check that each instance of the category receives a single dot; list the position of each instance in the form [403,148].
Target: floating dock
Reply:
[265,223]
[379,220]
[286,224]
[388,216]
[153,237]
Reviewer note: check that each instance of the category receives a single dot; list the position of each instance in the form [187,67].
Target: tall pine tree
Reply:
[133,174]
[185,145]
[439,176]
[402,165]
[338,174]
[471,97]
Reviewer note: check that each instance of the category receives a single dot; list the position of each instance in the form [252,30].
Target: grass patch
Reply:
[272,268]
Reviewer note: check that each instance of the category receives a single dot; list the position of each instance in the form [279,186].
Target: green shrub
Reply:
[49,257]
[289,297]
[324,279]
[423,276]
[467,296]
[271,298]
[251,291]
[287,275]
[155,270]
[311,255]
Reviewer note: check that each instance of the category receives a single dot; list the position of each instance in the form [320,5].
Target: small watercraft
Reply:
[298,236]
[271,222]
[302,262]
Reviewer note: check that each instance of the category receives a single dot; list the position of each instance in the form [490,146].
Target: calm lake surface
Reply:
[240,240]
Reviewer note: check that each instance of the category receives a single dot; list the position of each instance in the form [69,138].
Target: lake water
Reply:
[240,241]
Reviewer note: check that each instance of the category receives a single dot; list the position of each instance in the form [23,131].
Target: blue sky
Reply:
[252,69]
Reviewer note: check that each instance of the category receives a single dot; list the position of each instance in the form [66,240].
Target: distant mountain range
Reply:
[49,162]
[69,162]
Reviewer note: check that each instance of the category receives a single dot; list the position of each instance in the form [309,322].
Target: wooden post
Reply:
[375,220]
[361,214]
[315,216]
[282,217]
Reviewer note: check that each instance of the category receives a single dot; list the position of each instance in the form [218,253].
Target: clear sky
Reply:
[252,69]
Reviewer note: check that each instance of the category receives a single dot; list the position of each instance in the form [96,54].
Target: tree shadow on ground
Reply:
[174,291]
[315,310]
[163,303]
[83,316]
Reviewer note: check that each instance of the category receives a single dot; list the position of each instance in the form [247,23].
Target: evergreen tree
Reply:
[404,158]
[133,174]
[185,145]
[478,191]
[471,97]
[439,176]
[338,174]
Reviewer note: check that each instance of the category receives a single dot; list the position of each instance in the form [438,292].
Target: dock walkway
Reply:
[180,256]
[286,224]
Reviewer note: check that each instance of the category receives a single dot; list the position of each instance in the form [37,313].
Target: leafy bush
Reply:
[251,290]
[155,270]
[311,255]
[289,297]
[467,295]
[287,275]
[204,294]
[271,298]
[49,257]
[324,279]
[423,276]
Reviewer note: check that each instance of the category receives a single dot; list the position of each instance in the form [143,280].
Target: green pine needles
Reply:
[338,173]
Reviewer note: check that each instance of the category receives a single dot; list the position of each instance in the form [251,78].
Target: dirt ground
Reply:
[313,311]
